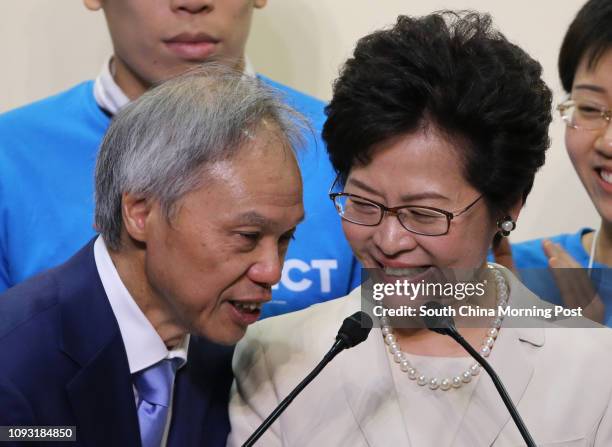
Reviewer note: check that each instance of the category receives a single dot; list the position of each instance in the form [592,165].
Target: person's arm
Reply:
[253,395]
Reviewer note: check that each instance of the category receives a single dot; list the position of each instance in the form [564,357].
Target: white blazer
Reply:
[559,378]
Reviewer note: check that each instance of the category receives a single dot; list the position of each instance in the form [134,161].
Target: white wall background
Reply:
[48,45]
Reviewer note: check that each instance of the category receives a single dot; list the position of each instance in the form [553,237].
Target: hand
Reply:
[575,285]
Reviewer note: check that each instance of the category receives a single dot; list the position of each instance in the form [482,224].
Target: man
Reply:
[194,222]
[47,149]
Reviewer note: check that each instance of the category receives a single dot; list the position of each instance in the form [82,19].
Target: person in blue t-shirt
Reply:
[48,148]
[585,69]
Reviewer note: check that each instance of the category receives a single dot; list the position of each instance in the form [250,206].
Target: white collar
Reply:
[143,345]
[111,98]
[107,93]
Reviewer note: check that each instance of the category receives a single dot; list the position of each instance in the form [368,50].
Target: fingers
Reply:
[557,256]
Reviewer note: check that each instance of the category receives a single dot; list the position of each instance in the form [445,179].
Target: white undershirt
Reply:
[143,345]
[111,98]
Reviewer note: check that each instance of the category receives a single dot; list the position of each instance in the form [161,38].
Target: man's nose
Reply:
[268,267]
[192,6]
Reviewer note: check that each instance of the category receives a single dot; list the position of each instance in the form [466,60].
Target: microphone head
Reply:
[355,329]
[440,323]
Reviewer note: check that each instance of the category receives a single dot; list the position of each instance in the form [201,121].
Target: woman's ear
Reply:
[507,223]
[515,211]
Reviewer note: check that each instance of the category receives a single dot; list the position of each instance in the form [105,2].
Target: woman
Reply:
[585,68]
[436,128]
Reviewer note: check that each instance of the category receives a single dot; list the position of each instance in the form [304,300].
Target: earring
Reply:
[506,225]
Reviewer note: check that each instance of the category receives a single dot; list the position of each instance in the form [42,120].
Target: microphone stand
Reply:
[338,346]
[452,332]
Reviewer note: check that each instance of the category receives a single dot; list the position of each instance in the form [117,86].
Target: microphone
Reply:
[353,331]
[445,325]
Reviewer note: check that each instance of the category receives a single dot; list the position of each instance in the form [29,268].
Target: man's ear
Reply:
[95,5]
[136,211]
[258,4]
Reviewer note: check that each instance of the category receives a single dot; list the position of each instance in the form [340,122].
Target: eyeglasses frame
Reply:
[605,114]
[450,215]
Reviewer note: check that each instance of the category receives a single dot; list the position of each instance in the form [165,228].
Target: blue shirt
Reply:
[47,157]
[532,264]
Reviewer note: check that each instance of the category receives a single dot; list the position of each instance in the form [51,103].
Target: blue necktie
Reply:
[154,386]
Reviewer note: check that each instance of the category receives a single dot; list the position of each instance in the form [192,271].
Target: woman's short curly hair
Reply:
[454,71]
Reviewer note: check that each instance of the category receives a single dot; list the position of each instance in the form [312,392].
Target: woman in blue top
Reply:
[585,69]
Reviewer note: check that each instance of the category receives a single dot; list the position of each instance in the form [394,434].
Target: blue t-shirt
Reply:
[47,157]
[532,264]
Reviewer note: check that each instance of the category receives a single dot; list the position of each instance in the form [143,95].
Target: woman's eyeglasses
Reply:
[584,115]
[424,220]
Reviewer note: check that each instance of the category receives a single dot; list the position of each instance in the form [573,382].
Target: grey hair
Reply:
[159,145]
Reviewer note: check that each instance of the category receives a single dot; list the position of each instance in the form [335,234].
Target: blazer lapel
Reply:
[101,391]
[103,399]
[486,414]
[201,396]
[369,389]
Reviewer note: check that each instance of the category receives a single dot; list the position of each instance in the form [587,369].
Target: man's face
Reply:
[154,40]
[214,262]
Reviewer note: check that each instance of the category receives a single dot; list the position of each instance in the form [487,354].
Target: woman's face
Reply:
[591,150]
[421,168]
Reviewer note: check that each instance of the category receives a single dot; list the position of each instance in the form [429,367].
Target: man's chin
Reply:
[227,336]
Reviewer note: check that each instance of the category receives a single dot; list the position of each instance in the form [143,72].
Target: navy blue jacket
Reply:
[63,362]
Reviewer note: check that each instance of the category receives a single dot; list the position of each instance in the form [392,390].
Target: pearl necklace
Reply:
[466,376]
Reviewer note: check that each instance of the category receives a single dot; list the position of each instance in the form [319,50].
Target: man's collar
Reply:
[109,96]
[107,93]
[143,345]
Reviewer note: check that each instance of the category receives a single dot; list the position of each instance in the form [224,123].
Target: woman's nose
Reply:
[603,143]
[392,238]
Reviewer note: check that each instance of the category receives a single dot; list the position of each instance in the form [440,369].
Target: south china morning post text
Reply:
[459,292]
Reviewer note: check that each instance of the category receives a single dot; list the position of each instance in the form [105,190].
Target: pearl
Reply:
[488,342]
[466,376]
[507,225]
